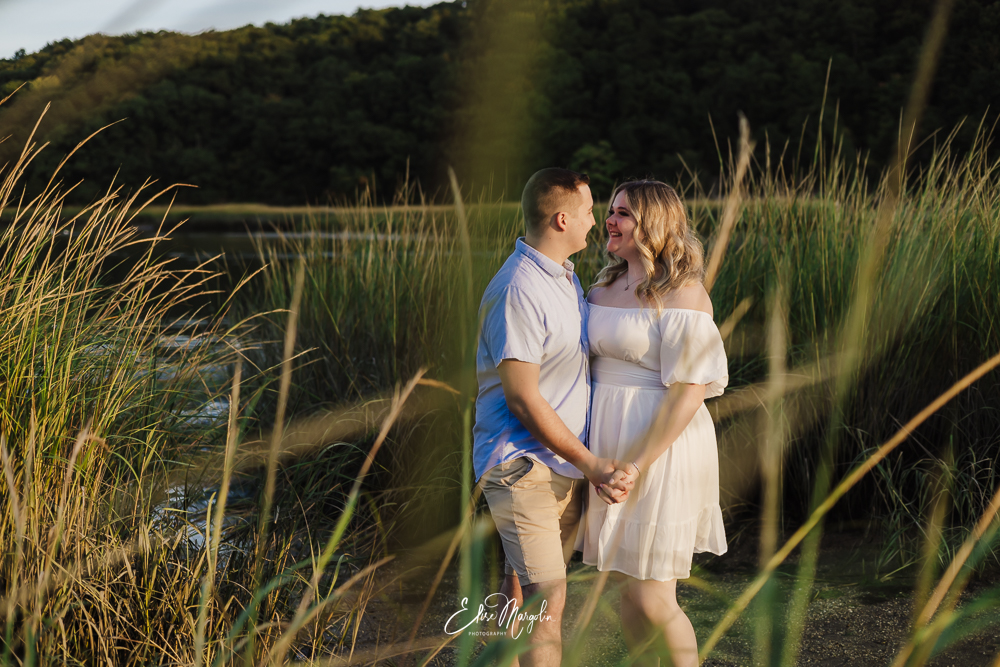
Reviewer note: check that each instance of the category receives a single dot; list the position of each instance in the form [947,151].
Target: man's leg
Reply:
[529,504]
[546,636]
[511,589]
[545,639]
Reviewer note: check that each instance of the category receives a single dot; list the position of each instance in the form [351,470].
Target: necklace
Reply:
[629,284]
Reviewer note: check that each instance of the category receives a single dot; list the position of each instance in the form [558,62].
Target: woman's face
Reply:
[621,228]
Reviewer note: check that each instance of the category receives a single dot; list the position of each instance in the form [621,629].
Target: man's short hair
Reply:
[544,192]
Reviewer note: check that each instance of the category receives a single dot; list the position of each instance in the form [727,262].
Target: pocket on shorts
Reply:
[517,475]
[506,475]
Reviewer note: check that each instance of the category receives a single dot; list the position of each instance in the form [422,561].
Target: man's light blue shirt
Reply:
[534,311]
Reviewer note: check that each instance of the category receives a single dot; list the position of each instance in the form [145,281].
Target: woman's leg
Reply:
[636,630]
[665,623]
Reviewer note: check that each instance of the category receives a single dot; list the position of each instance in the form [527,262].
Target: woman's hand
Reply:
[622,480]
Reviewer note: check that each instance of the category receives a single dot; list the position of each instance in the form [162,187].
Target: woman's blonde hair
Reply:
[664,240]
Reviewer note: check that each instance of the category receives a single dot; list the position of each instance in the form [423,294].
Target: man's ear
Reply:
[560,221]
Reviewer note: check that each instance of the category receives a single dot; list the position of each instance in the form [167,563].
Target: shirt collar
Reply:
[549,266]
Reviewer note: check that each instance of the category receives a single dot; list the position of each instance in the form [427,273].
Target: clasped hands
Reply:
[613,479]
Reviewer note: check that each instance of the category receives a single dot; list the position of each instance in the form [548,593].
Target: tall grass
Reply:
[356,465]
[932,319]
[386,288]
[105,359]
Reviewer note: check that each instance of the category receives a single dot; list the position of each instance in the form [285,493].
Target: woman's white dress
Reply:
[673,511]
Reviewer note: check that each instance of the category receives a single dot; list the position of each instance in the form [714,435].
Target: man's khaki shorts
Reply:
[537,513]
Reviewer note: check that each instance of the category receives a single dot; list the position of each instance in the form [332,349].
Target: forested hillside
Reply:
[317,109]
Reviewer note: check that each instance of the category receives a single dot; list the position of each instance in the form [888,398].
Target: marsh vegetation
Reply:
[264,457]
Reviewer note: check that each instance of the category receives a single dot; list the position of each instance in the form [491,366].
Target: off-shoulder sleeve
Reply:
[691,351]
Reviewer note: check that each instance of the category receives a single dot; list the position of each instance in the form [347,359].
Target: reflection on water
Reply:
[241,245]
[209,414]
[199,368]
[186,510]
[198,365]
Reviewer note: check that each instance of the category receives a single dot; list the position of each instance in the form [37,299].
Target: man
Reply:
[531,412]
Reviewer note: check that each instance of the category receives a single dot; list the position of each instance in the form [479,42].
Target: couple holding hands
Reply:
[591,430]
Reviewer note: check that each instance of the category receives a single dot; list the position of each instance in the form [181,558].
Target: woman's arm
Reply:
[682,400]
[675,413]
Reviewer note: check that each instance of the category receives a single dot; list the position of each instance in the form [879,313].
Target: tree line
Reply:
[319,109]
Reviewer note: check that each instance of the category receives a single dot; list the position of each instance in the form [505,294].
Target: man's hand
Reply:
[625,476]
[612,479]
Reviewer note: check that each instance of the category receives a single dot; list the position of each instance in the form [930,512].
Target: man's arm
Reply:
[520,389]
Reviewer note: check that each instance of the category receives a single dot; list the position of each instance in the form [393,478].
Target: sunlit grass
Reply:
[103,355]
[386,288]
[368,353]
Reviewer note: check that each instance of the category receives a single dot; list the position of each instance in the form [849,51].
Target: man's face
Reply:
[580,217]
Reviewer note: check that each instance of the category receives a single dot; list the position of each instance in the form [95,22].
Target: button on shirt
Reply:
[534,311]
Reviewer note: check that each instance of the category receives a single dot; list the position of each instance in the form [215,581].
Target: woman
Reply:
[655,345]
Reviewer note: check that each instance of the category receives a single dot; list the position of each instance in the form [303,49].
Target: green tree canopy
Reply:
[314,110]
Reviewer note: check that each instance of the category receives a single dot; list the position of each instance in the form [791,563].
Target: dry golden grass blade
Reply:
[284,385]
[733,205]
[307,613]
[872,258]
[463,230]
[10,95]
[860,471]
[220,512]
[754,396]
[375,656]
[586,616]
[449,554]
[947,587]
[55,535]
[940,492]
[742,308]
[307,436]
[773,428]
[303,612]
[926,66]
[19,517]
[439,385]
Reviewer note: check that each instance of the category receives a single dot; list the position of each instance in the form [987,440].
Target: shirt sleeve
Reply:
[514,327]
[692,352]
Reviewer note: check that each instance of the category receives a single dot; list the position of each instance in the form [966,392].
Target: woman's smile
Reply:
[621,225]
